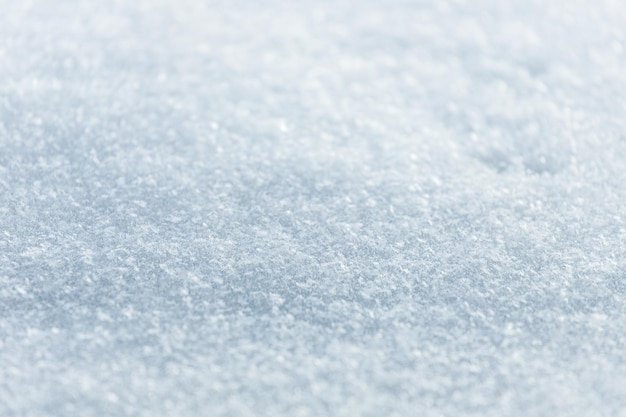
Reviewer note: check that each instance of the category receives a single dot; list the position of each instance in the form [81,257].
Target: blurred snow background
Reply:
[313,208]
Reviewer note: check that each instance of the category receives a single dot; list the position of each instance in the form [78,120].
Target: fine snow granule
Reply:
[313,208]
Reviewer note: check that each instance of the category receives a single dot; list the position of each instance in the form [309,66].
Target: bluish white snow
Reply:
[313,208]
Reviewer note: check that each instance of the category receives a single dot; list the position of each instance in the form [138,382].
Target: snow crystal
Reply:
[313,208]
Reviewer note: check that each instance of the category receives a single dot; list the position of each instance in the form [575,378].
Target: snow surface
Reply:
[313,208]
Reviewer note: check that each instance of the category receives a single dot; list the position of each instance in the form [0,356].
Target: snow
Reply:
[313,208]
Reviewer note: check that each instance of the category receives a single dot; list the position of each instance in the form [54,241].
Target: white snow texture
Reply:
[312,208]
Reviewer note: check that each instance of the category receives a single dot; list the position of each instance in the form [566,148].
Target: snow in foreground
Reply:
[313,208]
